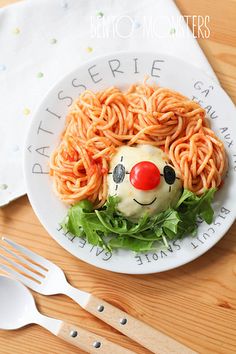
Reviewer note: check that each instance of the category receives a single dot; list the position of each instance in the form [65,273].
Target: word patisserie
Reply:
[99,123]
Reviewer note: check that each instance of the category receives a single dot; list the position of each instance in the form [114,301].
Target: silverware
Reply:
[18,309]
[51,280]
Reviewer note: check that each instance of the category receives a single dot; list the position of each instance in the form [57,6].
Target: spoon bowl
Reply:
[16,304]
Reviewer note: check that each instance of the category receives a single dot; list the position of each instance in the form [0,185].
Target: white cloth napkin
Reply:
[42,40]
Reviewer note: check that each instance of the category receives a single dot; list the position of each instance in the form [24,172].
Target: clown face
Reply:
[143,180]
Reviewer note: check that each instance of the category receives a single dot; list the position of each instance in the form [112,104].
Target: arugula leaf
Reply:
[109,229]
[207,212]
[193,206]
[131,244]
[82,222]
[171,222]
[185,195]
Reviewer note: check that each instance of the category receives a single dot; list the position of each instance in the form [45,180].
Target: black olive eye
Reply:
[119,173]
[169,175]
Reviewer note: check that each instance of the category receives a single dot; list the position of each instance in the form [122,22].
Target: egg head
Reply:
[143,180]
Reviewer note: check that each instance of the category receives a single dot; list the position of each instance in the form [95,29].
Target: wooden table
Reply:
[194,304]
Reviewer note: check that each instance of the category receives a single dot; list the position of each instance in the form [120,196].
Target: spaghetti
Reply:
[100,122]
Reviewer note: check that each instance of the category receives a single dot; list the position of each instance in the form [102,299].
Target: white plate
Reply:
[48,124]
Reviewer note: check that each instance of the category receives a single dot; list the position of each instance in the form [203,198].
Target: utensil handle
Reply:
[140,332]
[89,341]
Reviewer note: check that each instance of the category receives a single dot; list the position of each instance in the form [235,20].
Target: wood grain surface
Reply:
[195,304]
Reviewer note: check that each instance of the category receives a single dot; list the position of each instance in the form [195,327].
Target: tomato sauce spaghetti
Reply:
[100,122]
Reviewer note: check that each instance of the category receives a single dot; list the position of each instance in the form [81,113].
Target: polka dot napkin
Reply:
[41,41]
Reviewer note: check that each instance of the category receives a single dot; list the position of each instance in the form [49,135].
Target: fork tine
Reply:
[31,284]
[33,256]
[23,269]
[23,260]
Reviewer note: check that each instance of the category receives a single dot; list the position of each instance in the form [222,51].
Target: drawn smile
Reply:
[145,204]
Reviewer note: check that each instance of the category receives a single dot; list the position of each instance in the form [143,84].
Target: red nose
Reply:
[145,176]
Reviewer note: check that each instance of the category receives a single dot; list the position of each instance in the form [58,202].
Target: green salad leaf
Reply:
[190,206]
[108,228]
